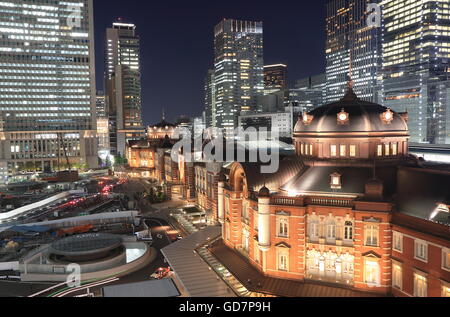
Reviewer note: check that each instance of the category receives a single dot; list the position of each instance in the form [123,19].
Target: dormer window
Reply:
[336,181]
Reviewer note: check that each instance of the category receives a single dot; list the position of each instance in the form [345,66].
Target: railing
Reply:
[287,201]
[330,202]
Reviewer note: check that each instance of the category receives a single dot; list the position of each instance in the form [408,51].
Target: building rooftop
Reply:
[194,274]
[156,288]
[362,116]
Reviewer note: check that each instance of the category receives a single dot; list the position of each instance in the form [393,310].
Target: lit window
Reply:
[333,150]
[283,261]
[421,250]
[371,234]
[343,150]
[283,227]
[310,149]
[336,181]
[398,242]
[348,231]
[446,259]
[352,150]
[446,290]
[313,230]
[372,272]
[387,149]
[420,285]
[302,149]
[397,276]
[395,149]
[331,231]
[380,150]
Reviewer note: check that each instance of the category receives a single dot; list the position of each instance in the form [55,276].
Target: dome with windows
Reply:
[352,129]
[352,115]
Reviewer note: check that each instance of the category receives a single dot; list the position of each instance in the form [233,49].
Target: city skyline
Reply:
[285,38]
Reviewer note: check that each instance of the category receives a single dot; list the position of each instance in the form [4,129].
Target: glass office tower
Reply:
[350,38]
[239,74]
[275,78]
[210,99]
[416,67]
[123,85]
[47,85]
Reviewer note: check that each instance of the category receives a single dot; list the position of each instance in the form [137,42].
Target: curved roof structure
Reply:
[358,116]
[86,245]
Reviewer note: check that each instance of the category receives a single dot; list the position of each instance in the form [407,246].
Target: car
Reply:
[161,273]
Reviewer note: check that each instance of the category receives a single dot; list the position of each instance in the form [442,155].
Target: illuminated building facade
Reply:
[123,85]
[100,102]
[275,78]
[349,38]
[276,121]
[352,208]
[47,86]
[239,75]
[161,130]
[210,100]
[416,67]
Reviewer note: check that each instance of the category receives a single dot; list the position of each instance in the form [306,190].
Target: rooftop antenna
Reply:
[163,114]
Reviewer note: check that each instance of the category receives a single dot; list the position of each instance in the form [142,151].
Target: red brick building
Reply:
[352,208]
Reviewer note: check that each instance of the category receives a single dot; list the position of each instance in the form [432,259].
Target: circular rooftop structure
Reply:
[86,247]
[352,115]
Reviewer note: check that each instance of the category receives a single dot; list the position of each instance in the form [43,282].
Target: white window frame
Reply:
[420,280]
[397,237]
[349,230]
[314,230]
[281,266]
[282,225]
[373,231]
[417,244]
[397,276]
[375,281]
[331,231]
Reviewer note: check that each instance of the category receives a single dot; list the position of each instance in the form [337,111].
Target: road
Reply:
[156,216]
[159,228]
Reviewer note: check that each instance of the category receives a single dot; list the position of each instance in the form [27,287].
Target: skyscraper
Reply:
[416,68]
[123,85]
[239,75]
[349,38]
[275,78]
[101,104]
[47,85]
[210,100]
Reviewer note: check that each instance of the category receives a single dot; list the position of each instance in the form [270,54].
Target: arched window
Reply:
[348,230]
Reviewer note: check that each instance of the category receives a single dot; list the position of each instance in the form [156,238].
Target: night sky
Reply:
[177,44]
